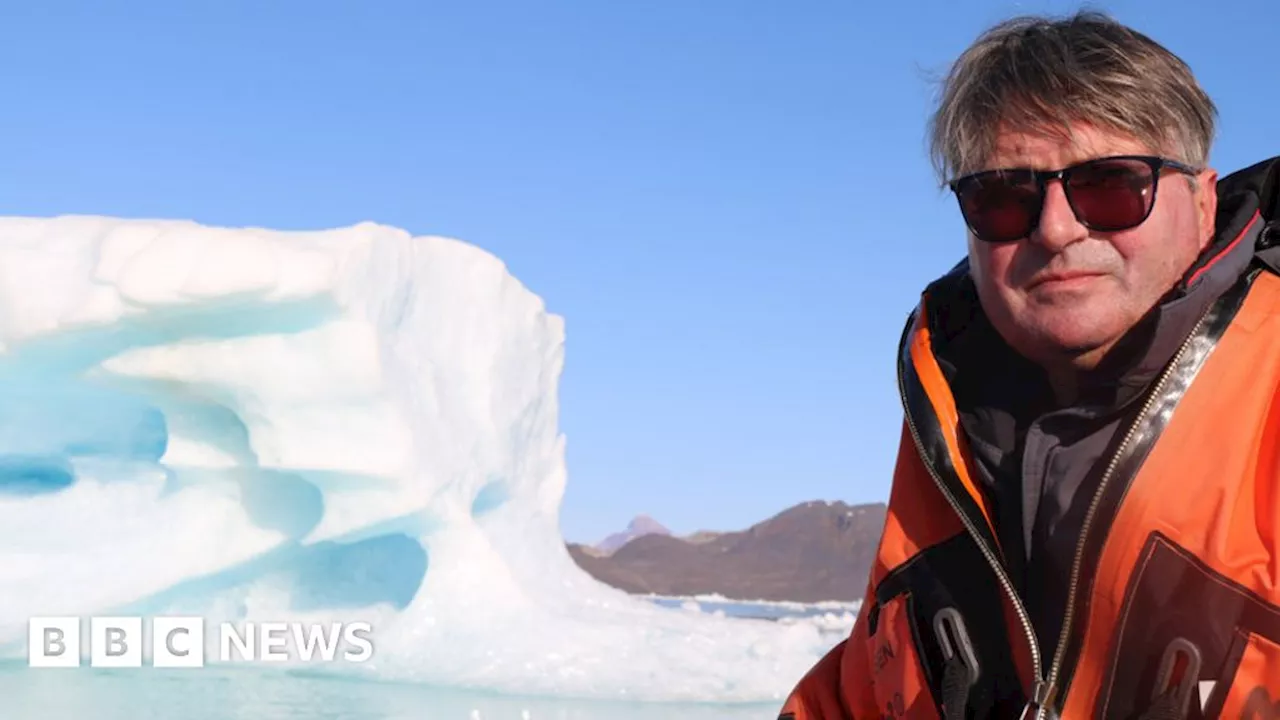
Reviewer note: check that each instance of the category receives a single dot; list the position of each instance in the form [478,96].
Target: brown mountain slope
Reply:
[641,525]
[811,552]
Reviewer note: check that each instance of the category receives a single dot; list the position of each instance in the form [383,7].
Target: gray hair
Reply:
[1035,73]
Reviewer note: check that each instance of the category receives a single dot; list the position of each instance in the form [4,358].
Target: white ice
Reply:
[351,424]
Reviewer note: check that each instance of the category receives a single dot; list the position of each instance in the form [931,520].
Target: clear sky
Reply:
[728,201]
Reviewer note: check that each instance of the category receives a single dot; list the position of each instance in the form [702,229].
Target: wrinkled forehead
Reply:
[1050,147]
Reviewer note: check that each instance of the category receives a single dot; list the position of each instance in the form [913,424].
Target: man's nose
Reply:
[1058,226]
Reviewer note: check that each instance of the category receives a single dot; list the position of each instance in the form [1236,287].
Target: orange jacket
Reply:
[1176,604]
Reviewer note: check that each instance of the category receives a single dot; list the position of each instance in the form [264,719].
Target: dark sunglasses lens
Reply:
[1112,195]
[1000,206]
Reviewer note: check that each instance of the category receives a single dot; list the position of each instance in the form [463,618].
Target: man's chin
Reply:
[1076,335]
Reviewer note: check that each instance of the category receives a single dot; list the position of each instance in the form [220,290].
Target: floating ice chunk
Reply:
[350,424]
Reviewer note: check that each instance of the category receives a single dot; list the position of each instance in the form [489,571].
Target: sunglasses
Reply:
[1106,194]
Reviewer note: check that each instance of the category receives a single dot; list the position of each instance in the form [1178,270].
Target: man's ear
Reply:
[1206,186]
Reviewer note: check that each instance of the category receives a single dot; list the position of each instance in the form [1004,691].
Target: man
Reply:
[1085,516]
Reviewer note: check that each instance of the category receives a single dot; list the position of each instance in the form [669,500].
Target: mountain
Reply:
[808,553]
[640,526]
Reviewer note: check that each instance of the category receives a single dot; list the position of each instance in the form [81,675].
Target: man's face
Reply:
[1065,293]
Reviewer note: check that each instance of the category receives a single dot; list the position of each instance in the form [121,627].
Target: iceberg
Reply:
[337,425]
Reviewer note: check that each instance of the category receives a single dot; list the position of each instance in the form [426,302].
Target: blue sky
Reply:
[729,202]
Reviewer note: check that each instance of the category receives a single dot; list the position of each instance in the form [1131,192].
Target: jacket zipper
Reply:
[1059,655]
[1040,693]
[1045,690]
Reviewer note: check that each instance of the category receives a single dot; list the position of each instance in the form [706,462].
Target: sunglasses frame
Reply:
[1041,179]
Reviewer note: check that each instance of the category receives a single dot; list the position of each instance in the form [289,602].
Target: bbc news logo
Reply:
[179,642]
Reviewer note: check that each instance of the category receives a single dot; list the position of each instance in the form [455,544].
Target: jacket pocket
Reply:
[1250,686]
[1188,628]
[897,670]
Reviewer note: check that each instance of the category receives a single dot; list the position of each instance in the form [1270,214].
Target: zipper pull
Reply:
[1039,707]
